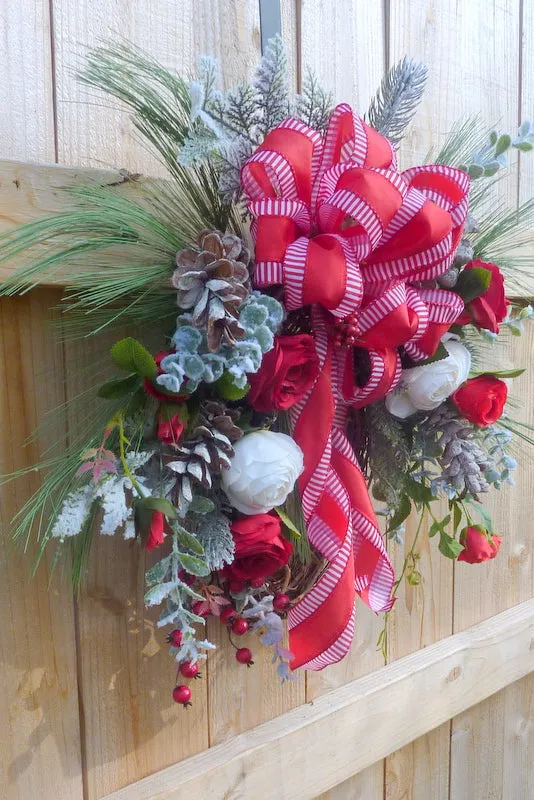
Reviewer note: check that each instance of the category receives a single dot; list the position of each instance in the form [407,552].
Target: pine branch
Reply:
[314,105]
[272,85]
[396,101]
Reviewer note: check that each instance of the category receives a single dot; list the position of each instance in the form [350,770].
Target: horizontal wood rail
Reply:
[317,746]
[29,191]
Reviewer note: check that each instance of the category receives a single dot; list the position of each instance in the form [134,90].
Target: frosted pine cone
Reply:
[213,281]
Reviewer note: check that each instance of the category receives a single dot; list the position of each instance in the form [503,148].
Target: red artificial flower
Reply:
[169,431]
[154,389]
[260,550]
[489,309]
[155,537]
[286,373]
[481,400]
[479,545]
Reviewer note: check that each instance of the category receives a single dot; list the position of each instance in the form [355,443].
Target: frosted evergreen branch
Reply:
[397,99]
[314,105]
[272,85]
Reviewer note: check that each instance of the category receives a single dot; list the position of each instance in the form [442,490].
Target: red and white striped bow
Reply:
[343,231]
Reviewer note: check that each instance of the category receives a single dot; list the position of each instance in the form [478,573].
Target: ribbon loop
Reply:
[348,235]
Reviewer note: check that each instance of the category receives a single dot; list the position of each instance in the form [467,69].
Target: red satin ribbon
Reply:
[343,230]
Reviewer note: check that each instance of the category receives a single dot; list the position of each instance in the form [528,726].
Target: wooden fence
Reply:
[84,682]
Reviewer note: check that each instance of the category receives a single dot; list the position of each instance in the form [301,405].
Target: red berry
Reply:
[239,627]
[189,670]
[244,656]
[281,602]
[200,608]
[175,637]
[227,615]
[182,694]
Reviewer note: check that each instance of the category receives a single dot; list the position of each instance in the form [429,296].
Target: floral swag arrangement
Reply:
[331,315]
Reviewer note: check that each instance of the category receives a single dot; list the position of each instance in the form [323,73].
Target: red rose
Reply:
[260,549]
[286,373]
[479,545]
[481,400]
[489,309]
[155,537]
[169,431]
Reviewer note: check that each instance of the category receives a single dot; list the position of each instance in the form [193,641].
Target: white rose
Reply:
[262,472]
[425,388]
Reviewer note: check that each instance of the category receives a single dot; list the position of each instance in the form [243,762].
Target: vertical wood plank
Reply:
[484,735]
[240,698]
[26,89]
[132,725]
[39,737]
[92,129]
[344,43]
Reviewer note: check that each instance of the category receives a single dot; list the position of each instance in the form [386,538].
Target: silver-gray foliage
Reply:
[215,536]
[396,101]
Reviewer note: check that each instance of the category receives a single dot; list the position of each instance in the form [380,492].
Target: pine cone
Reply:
[216,415]
[213,280]
[206,453]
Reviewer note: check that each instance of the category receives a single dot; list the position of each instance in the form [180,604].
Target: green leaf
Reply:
[194,565]
[483,514]
[439,355]
[525,147]
[169,410]
[130,355]
[118,387]
[158,504]
[201,505]
[439,527]
[189,542]
[472,283]
[501,373]
[448,546]
[493,138]
[158,593]
[401,513]
[420,494]
[226,388]
[288,522]
[157,572]
[457,516]
[503,144]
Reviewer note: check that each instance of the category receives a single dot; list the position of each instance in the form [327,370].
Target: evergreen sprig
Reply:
[396,101]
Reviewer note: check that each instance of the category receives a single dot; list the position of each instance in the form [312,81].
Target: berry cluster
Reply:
[346,331]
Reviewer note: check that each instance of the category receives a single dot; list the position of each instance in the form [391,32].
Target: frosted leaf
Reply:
[213,367]
[193,367]
[264,338]
[116,510]
[275,309]
[196,90]
[186,339]
[158,593]
[74,512]
[253,315]
[129,529]
[215,536]
[169,382]
[136,460]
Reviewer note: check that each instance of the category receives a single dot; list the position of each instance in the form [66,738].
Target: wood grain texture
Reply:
[322,743]
[350,64]
[26,89]
[40,732]
[343,42]
[92,130]
[132,727]
[467,48]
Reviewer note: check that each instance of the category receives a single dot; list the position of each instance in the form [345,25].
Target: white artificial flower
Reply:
[424,388]
[262,472]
